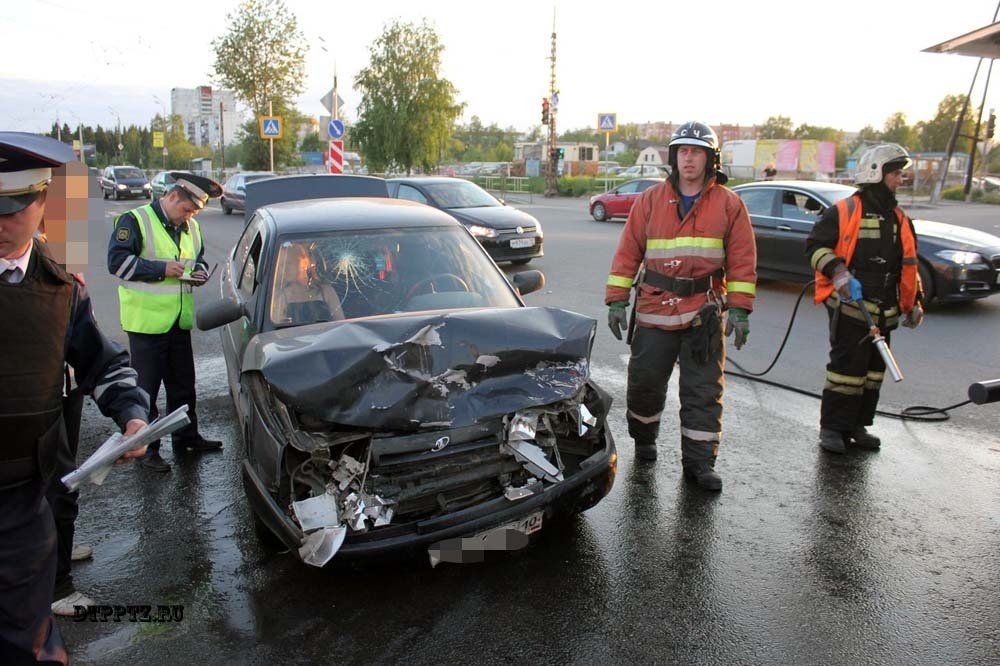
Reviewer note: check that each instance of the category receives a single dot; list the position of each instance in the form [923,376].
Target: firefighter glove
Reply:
[617,319]
[848,286]
[738,321]
[914,316]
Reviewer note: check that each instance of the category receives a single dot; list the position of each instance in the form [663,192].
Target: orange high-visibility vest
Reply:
[849,217]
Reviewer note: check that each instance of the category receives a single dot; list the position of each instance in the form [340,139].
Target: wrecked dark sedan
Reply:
[395,395]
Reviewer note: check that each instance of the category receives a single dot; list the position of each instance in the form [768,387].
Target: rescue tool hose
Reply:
[914,413]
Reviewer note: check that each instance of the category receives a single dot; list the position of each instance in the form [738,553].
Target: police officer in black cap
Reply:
[46,321]
[157,253]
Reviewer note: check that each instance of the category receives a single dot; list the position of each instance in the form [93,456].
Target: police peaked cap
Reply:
[26,162]
[199,188]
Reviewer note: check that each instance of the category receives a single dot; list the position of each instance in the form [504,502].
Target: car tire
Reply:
[226,210]
[149,196]
[105,193]
[118,195]
[599,212]
[927,281]
[520,262]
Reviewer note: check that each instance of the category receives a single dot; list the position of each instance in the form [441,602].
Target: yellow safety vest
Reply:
[153,307]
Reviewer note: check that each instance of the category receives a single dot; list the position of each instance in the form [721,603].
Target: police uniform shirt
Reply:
[14,270]
[125,249]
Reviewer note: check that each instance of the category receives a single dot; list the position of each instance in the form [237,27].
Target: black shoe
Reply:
[863,439]
[704,475]
[152,460]
[199,443]
[645,451]
[831,440]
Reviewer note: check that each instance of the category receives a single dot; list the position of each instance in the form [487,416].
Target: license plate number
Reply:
[527,525]
[522,242]
[136,191]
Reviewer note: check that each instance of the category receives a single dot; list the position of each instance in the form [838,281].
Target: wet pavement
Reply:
[891,557]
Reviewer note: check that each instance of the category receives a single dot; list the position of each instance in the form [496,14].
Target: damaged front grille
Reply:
[367,483]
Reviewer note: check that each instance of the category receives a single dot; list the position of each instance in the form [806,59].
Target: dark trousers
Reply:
[654,353]
[64,503]
[28,632]
[853,375]
[166,358]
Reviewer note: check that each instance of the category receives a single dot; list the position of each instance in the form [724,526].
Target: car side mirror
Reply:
[528,281]
[502,202]
[218,313]
[241,189]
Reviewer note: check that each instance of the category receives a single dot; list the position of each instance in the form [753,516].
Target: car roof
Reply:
[427,179]
[346,213]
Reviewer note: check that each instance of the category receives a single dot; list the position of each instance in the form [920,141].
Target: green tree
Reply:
[776,127]
[255,153]
[311,143]
[262,59]
[407,109]
[897,131]
[934,133]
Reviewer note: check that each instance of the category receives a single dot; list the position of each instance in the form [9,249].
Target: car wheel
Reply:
[118,195]
[927,281]
[520,262]
[149,195]
[105,193]
[226,210]
[599,212]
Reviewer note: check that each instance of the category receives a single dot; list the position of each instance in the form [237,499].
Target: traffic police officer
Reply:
[157,253]
[693,237]
[864,252]
[46,321]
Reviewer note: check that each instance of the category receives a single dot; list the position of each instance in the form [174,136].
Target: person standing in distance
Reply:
[46,322]
[694,239]
[157,253]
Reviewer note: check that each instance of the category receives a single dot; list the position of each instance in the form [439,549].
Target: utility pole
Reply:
[975,137]
[550,172]
[222,141]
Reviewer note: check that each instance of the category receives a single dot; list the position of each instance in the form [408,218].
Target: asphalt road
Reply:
[884,558]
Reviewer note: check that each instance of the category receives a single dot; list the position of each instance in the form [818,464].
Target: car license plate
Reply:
[518,243]
[464,550]
[136,191]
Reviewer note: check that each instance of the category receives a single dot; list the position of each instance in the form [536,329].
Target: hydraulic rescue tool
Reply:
[883,347]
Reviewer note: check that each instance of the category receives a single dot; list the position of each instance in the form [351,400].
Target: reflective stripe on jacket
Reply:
[849,212]
[715,234]
[153,307]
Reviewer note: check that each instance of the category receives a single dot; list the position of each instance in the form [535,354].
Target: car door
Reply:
[410,193]
[241,282]
[798,213]
[620,201]
[760,203]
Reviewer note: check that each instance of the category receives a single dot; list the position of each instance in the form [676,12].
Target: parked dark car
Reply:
[956,263]
[234,190]
[124,182]
[162,183]
[618,202]
[507,234]
[394,393]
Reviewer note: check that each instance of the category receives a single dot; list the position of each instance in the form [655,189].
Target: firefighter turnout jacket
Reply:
[875,240]
[712,247]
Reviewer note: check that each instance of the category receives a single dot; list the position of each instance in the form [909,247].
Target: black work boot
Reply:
[863,439]
[152,460]
[698,462]
[645,450]
[197,443]
[831,440]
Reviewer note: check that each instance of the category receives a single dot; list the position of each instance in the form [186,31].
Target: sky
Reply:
[846,65]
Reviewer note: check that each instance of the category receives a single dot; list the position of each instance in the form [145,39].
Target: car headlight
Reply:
[147,186]
[122,186]
[960,257]
[481,231]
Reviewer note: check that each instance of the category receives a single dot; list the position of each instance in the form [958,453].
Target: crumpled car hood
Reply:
[446,369]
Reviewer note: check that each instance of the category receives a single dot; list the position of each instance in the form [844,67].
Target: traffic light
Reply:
[991,125]
[561,152]
[545,110]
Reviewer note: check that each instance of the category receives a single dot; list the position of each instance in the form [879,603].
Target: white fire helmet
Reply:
[871,167]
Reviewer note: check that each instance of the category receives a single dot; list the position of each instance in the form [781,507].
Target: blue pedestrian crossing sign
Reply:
[607,122]
[270,127]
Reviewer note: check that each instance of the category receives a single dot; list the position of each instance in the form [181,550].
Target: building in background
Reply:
[199,109]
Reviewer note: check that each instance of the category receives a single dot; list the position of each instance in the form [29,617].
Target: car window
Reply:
[410,194]
[349,275]
[646,184]
[256,176]
[629,188]
[759,201]
[248,276]
[128,173]
[458,193]
[799,206]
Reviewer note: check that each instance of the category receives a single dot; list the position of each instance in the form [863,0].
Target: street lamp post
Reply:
[118,132]
[164,125]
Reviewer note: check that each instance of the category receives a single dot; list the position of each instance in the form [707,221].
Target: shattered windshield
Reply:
[128,173]
[347,275]
[460,193]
